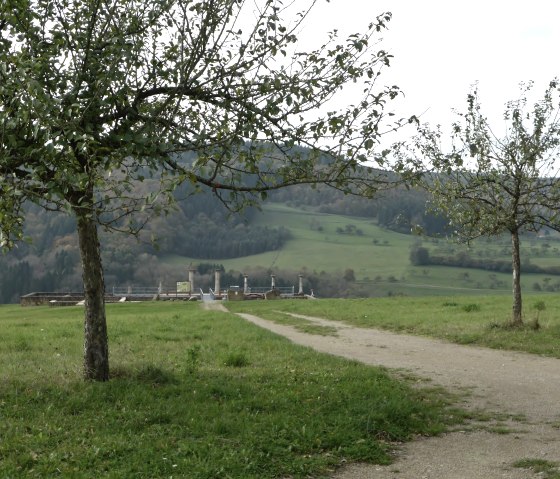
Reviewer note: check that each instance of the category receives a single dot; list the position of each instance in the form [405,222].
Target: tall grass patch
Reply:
[193,394]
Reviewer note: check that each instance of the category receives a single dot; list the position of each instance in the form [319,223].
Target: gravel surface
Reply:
[522,385]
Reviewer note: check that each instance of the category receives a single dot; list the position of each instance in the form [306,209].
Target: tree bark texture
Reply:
[96,347]
[516,280]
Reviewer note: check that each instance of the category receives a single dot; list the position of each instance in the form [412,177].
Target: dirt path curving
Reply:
[522,385]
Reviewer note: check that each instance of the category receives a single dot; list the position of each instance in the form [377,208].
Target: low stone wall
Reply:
[71,299]
[59,299]
[44,298]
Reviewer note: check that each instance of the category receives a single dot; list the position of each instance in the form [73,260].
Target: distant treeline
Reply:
[203,229]
[421,256]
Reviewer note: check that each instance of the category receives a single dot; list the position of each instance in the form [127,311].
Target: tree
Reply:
[97,96]
[349,275]
[419,256]
[490,185]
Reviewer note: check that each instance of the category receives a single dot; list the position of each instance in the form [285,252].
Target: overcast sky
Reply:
[441,48]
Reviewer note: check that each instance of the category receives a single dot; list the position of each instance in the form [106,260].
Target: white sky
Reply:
[441,48]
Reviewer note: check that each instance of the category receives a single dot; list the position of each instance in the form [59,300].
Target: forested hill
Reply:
[400,209]
[201,228]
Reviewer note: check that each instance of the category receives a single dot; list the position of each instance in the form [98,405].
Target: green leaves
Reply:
[11,215]
[101,95]
[489,185]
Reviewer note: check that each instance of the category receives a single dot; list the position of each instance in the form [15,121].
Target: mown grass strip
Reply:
[301,324]
[194,394]
[545,469]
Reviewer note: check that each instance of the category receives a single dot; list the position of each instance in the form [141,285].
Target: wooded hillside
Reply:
[200,228]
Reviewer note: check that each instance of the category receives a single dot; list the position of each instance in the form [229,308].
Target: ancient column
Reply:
[300,290]
[273,281]
[245,284]
[217,282]
[191,278]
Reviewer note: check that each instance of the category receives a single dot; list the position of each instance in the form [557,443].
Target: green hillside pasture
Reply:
[439,281]
[194,394]
[318,246]
[445,281]
[540,250]
[380,257]
[325,249]
[476,320]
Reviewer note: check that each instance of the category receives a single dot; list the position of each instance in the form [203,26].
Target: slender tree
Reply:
[99,95]
[489,184]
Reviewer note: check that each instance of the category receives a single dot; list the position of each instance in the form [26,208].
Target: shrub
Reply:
[470,308]
[155,376]
[419,256]
[236,360]
[193,358]
[539,306]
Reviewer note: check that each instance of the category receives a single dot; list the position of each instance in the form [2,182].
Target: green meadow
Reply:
[204,394]
[193,394]
[380,257]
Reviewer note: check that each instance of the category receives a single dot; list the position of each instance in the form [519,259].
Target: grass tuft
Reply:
[534,324]
[545,469]
[493,325]
[539,306]
[193,358]
[471,308]
[236,360]
[155,376]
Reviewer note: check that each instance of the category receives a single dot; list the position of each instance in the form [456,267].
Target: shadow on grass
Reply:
[146,374]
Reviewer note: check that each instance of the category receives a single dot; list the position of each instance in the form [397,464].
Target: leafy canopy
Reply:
[489,184]
[98,95]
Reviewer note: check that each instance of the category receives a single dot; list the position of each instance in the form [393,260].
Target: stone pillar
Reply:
[217,275]
[300,290]
[273,281]
[160,288]
[245,284]
[191,278]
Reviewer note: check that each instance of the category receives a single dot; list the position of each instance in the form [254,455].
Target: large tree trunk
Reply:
[516,319]
[96,347]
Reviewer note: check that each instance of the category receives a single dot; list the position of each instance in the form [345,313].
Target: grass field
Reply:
[314,249]
[479,320]
[380,257]
[194,394]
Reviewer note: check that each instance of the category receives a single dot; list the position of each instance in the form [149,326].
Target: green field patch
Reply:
[542,467]
[228,400]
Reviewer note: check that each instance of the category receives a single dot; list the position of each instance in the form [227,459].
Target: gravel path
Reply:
[523,385]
